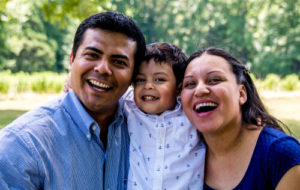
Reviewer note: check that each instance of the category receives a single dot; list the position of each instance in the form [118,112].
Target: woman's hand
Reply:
[67,85]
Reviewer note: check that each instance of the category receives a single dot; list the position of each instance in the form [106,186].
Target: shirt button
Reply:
[94,127]
[88,136]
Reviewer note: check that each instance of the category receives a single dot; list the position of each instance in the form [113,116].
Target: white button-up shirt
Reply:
[166,151]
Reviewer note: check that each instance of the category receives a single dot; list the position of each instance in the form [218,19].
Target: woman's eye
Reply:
[214,80]
[188,84]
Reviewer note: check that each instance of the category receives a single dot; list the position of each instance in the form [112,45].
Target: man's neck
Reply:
[104,119]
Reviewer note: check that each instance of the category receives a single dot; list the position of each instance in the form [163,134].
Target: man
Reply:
[80,140]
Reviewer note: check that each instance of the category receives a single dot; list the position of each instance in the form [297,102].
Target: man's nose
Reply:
[103,67]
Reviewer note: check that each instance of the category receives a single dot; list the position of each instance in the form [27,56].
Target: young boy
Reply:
[166,152]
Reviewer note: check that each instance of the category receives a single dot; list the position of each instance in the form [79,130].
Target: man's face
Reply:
[102,69]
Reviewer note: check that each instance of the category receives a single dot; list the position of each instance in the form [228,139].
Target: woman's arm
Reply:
[290,180]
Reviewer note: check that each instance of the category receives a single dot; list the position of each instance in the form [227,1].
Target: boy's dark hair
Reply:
[114,22]
[253,109]
[163,52]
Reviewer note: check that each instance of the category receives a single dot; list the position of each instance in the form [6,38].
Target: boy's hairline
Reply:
[156,62]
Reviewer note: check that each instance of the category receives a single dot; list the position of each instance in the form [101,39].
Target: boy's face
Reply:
[155,89]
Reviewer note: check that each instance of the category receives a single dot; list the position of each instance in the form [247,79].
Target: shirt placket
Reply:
[160,153]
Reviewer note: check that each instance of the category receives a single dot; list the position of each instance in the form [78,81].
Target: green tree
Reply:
[280,38]
[31,43]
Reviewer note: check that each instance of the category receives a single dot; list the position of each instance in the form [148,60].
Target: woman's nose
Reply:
[201,90]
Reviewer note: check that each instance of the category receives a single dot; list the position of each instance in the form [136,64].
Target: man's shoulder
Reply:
[40,116]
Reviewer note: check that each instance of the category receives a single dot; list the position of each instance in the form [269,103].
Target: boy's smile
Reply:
[155,89]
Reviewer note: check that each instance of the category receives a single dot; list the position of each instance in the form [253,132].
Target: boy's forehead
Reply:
[153,66]
[154,61]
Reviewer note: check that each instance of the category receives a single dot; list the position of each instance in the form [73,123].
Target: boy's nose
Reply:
[148,85]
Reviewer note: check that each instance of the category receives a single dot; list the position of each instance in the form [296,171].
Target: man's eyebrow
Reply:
[120,56]
[101,52]
[94,49]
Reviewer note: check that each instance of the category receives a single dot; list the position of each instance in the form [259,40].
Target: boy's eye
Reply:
[160,80]
[139,80]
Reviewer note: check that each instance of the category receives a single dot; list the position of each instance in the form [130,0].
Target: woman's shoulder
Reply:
[271,135]
[275,142]
[281,152]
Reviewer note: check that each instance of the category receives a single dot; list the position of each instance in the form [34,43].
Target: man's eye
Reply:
[120,62]
[92,55]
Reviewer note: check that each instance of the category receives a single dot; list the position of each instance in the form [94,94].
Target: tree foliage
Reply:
[265,34]
[30,42]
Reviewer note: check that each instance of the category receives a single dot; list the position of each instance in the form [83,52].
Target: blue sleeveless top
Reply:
[274,154]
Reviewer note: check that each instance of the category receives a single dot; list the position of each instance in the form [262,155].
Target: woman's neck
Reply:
[225,141]
[228,156]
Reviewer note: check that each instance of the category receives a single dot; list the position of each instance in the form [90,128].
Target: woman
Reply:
[221,101]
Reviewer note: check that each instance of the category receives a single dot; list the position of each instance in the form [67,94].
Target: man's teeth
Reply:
[207,104]
[98,84]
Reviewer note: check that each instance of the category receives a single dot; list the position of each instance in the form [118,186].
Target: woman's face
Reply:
[211,96]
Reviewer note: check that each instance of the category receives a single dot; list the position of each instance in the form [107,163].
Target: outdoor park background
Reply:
[36,39]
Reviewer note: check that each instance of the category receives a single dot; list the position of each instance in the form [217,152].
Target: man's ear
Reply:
[71,59]
[243,94]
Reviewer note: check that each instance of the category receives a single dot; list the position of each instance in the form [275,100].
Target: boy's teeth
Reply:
[98,84]
[149,98]
[207,104]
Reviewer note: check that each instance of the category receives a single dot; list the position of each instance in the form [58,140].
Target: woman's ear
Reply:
[243,94]
[179,88]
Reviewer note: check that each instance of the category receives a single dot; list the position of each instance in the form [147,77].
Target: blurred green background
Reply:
[37,35]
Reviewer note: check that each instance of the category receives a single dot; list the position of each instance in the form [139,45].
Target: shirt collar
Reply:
[78,113]
[81,117]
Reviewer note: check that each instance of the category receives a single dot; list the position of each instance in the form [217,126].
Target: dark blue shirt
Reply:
[57,146]
[274,154]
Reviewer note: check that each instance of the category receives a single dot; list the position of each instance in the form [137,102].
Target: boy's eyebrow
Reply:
[188,76]
[161,73]
[101,52]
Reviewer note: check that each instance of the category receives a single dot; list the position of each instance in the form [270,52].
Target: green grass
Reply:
[7,116]
[294,126]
